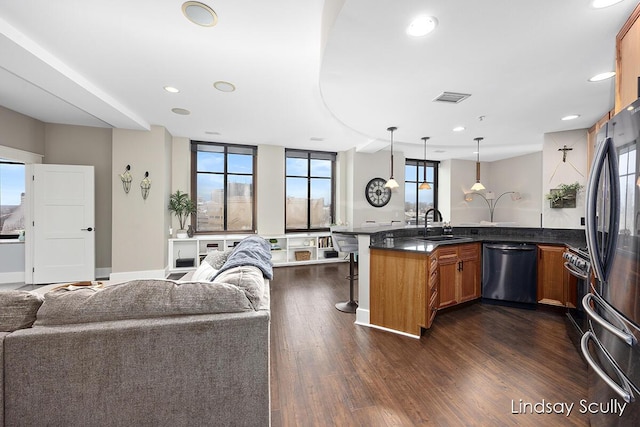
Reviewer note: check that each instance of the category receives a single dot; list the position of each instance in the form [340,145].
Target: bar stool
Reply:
[347,243]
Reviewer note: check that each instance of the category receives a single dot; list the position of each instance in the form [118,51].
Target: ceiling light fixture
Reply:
[181,111]
[392,183]
[478,185]
[223,86]
[171,89]
[570,117]
[199,13]
[422,25]
[602,76]
[458,128]
[425,185]
[599,4]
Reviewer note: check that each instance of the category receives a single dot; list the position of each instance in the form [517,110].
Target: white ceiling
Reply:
[314,74]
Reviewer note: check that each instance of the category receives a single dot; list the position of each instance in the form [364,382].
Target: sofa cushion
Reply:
[140,299]
[18,309]
[204,273]
[248,278]
[217,258]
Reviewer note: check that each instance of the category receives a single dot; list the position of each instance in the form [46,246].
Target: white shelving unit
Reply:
[288,249]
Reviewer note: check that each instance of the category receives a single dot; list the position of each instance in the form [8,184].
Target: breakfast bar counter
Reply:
[411,239]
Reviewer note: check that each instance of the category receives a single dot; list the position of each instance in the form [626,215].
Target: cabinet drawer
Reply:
[445,253]
[469,251]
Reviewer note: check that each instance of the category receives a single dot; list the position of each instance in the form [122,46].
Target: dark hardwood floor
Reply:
[473,368]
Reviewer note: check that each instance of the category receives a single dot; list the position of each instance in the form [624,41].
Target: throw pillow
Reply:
[217,258]
[203,273]
[18,309]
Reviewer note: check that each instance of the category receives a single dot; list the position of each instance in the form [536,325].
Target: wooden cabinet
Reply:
[407,288]
[402,290]
[432,291]
[553,278]
[628,61]
[459,267]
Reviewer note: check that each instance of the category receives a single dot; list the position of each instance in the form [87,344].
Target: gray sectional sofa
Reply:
[140,353]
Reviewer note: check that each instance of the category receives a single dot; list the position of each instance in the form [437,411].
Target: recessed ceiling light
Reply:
[224,86]
[199,13]
[422,25]
[458,128]
[571,117]
[599,4]
[181,111]
[602,76]
[171,89]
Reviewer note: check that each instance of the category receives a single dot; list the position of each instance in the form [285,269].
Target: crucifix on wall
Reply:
[564,152]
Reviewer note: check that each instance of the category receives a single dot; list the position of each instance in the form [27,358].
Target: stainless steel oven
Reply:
[579,267]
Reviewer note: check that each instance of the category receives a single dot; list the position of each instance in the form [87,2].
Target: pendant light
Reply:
[425,185]
[478,185]
[392,183]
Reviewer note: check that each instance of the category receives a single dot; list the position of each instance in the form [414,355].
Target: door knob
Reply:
[87,229]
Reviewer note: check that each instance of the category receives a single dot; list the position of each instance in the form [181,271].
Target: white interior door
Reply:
[60,233]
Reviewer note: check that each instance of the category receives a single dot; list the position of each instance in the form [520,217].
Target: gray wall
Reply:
[140,227]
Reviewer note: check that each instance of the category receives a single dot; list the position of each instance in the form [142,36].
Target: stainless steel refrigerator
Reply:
[610,345]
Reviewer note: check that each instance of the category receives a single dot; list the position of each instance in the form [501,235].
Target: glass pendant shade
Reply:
[425,185]
[478,185]
[391,183]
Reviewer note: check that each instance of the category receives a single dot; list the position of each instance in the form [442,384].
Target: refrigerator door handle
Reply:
[624,388]
[601,261]
[621,332]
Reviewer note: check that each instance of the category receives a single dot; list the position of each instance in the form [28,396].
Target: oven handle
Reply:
[574,272]
[623,332]
[625,391]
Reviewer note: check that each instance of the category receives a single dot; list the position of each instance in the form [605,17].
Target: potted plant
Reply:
[182,206]
[565,195]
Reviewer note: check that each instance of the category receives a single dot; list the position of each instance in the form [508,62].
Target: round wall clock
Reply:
[376,193]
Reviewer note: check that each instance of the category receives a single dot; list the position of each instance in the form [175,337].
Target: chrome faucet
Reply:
[437,217]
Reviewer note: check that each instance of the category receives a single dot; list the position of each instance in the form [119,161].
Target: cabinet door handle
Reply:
[460,266]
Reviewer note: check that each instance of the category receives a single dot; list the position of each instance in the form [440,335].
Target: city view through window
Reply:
[309,190]
[11,198]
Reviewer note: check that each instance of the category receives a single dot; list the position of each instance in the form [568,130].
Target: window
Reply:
[11,198]
[223,184]
[627,172]
[416,201]
[309,190]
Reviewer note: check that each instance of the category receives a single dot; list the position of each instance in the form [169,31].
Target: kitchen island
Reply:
[406,292]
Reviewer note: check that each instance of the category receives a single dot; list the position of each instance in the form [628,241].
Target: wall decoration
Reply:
[126,179]
[564,196]
[377,193]
[145,186]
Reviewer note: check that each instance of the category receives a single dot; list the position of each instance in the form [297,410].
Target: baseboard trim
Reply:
[12,277]
[132,275]
[103,272]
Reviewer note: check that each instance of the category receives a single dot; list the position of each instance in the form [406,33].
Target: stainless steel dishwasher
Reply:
[509,273]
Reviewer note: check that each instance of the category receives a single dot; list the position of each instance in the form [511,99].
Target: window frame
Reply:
[225,173]
[434,185]
[321,155]
[4,161]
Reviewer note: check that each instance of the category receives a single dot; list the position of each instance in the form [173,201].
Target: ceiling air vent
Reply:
[451,97]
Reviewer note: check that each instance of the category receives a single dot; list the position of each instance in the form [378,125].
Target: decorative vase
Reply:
[190,231]
[181,234]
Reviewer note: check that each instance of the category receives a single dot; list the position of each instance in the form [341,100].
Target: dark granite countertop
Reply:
[411,239]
